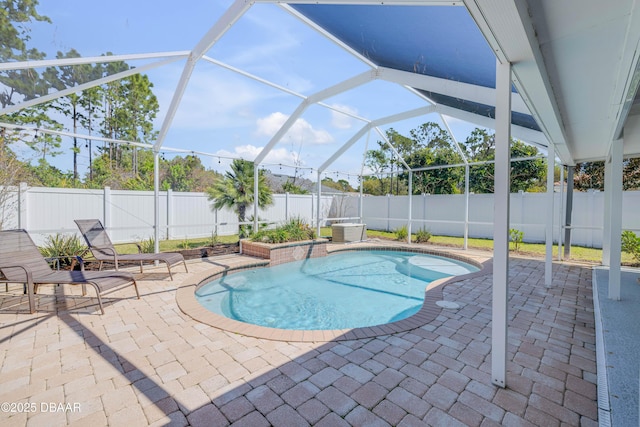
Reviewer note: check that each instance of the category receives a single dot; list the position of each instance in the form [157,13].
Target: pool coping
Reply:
[189,305]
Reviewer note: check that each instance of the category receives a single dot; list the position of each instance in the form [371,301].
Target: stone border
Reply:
[281,253]
[189,305]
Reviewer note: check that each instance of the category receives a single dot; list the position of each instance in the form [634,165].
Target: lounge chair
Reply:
[103,250]
[22,262]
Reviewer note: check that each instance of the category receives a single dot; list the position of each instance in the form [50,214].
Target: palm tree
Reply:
[236,191]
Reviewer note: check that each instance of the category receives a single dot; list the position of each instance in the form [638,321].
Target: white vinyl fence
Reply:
[129,215]
[444,214]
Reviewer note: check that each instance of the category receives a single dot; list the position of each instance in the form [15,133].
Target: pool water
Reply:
[340,291]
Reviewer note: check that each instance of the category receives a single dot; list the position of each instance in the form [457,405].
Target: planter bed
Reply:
[207,251]
[280,253]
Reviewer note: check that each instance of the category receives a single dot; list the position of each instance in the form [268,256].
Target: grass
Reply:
[578,253]
[178,244]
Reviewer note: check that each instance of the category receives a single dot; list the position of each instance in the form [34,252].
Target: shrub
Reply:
[423,235]
[516,237]
[246,230]
[184,244]
[401,232]
[147,246]
[631,244]
[63,247]
[214,240]
[293,231]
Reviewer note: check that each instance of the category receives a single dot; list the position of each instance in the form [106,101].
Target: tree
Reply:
[341,184]
[430,135]
[47,175]
[378,162]
[73,106]
[112,101]
[590,175]
[14,33]
[12,172]
[429,145]
[525,175]
[291,188]
[436,181]
[186,174]
[236,190]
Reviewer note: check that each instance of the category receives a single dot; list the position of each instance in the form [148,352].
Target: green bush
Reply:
[631,244]
[293,231]
[516,237]
[184,244]
[64,247]
[214,240]
[423,235]
[401,233]
[147,246]
[246,230]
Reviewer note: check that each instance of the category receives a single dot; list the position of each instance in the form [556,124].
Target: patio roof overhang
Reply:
[575,69]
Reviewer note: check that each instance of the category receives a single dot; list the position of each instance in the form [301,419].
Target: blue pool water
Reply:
[340,291]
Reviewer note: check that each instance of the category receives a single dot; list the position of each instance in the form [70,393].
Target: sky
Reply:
[225,113]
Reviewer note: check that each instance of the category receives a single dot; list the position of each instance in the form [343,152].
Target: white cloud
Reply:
[301,132]
[212,100]
[342,121]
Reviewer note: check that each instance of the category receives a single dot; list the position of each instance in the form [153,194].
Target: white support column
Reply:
[256,190]
[561,211]
[410,216]
[548,265]
[156,201]
[606,232]
[364,159]
[615,220]
[361,201]
[500,296]
[319,188]
[466,207]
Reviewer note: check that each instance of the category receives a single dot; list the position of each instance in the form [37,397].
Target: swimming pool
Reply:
[339,291]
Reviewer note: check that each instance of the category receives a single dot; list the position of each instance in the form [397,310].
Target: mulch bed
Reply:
[196,253]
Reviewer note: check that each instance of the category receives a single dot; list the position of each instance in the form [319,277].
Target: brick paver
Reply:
[145,362]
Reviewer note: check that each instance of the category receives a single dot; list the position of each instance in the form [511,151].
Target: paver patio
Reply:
[146,363]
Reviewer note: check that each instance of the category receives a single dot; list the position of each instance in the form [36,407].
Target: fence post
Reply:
[522,208]
[312,210]
[23,213]
[286,206]
[424,210]
[388,212]
[106,207]
[410,207]
[169,212]
[215,228]
[591,195]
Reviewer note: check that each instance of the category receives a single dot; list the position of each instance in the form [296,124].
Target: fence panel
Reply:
[527,213]
[129,215]
[442,207]
[52,210]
